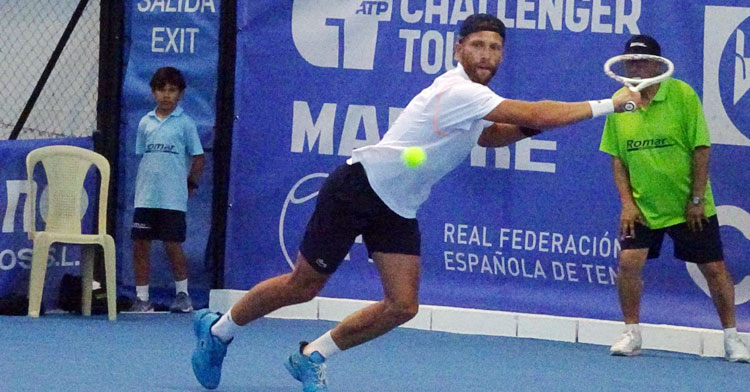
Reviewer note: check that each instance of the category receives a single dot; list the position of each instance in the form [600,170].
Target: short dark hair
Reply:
[642,44]
[167,75]
[481,22]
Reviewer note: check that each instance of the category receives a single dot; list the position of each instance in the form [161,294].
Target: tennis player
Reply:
[376,195]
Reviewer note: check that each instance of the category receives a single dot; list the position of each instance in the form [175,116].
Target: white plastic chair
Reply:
[66,168]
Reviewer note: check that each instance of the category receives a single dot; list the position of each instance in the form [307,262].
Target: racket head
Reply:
[638,71]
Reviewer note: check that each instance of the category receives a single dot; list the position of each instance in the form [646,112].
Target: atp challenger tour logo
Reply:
[726,74]
[344,33]
[338,33]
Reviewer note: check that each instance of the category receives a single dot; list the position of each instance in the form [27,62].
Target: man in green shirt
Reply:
[660,157]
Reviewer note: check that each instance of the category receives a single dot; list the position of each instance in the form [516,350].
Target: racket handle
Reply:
[630,105]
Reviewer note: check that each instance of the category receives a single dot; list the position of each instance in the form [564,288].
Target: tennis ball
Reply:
[413,156]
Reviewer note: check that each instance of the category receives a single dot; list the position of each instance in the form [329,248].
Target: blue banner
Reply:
[184,35]
[15,246]
[528,228]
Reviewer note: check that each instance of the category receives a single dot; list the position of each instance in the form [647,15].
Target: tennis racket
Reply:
[638,71]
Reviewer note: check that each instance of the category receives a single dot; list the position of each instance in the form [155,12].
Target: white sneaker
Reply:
[628,344]
[735,350]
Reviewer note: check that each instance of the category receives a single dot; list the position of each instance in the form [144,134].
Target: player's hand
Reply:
[695,216]
[629,215]
[624,96]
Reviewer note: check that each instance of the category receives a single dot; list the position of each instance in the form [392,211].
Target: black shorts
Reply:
[347,207]
[158,224]
[696,247]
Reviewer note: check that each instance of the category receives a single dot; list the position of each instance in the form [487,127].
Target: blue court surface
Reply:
[152,353]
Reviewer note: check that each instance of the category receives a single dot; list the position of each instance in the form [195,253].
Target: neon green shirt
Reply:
[656,144]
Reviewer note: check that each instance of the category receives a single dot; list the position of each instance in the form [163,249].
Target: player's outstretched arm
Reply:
[551,114]
[501,135]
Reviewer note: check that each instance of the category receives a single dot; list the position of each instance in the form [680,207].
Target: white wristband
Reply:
[601,107]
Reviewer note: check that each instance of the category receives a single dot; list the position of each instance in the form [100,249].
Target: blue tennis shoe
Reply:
[209,352]
[310,370]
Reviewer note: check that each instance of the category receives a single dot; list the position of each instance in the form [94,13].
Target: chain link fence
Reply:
[29,33]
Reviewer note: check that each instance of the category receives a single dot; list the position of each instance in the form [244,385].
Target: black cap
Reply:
[481,22]
[642,44]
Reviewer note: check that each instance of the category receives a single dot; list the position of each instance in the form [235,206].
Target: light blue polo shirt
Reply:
[167,146]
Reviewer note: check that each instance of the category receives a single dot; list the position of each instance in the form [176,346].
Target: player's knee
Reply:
[628,270]
[307,292]
[629,267]
[303,290]
[402,311]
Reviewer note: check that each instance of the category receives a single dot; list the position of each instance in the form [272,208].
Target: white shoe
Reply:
[628,344]
[735,350]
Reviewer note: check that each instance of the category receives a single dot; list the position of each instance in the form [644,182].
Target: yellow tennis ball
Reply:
[413,156]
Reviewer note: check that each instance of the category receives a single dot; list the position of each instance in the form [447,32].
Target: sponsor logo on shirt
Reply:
[159,147]
[648,144]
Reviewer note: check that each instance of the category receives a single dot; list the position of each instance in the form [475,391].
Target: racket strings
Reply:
[645,70]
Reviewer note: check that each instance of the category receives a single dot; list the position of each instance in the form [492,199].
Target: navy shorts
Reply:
[347,207]
[158,224]
[696,247]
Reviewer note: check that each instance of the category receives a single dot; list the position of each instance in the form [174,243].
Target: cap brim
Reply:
[642,50]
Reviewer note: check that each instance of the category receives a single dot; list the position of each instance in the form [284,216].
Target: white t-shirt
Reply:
[445,120]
